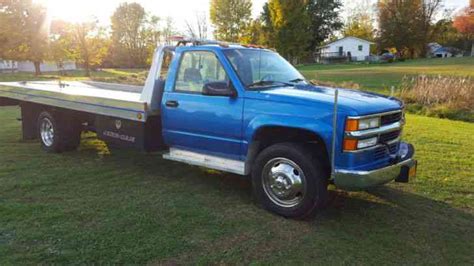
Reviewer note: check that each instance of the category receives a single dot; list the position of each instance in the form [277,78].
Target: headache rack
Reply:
[199,42]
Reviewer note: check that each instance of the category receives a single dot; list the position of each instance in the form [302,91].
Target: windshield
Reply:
[262,68]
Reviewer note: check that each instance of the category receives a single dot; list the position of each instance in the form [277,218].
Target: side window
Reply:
[197,69]
[165,66]
[360,48]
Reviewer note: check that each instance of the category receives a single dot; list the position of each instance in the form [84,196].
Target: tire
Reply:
[58,134]
[290,180]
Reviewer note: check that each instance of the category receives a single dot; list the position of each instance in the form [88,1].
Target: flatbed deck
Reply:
[115,100]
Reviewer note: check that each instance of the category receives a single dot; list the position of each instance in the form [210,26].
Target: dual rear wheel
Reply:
[58,133]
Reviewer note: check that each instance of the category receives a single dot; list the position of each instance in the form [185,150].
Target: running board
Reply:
[204,160]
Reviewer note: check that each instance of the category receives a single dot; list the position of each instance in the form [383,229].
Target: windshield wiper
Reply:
[267,83]
[297,80]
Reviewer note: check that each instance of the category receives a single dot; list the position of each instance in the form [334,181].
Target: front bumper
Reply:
[358,180]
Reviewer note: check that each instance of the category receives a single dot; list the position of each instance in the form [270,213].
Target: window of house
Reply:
[198,68]
[361,47]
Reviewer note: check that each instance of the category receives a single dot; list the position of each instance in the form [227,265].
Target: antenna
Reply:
[334,134]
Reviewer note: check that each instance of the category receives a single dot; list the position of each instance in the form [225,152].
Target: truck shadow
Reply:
[393,200]
[388,219]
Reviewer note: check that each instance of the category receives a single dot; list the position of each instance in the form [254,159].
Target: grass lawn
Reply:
[128,207]
[380,77]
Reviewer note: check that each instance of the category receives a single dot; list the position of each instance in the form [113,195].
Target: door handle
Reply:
[172,104]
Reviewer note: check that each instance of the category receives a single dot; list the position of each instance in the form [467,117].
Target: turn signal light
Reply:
[350,144]
[352,124]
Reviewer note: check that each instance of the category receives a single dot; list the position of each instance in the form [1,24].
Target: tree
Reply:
[446,34]
[198,29]
[255,33]
[60,43]
[230,18]
[24,31]
[360,24]
[168,31]
[86,43]
[269,33]
[428,9]
[133,31]
[290,21]
[91,45]
[296,28]
[324,19]
[464,23]
[397,25]
[407,25]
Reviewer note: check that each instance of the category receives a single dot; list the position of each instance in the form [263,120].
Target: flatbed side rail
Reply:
[136,111]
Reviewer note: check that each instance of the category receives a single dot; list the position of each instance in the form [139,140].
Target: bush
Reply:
[445,97]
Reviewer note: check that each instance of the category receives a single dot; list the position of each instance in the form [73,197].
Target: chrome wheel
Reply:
[284,182]
[47,132]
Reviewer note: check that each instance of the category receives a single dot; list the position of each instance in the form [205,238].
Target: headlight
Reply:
[369,123]
[362,124]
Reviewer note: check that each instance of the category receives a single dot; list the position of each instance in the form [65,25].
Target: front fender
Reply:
[320,127]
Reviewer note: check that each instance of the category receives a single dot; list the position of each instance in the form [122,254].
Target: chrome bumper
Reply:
[358,180]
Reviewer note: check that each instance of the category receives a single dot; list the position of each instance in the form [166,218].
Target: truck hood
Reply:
[361,102]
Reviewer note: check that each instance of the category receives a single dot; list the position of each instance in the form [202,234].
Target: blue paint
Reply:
[226,126]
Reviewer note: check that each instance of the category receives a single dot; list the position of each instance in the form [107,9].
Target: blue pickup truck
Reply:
[234,108]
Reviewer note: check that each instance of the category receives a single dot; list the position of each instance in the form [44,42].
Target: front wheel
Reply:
[290,180]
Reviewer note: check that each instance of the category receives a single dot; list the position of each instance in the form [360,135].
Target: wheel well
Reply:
[267,136]
[31,111]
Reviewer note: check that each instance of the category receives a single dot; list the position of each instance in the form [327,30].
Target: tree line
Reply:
[295,28]
[26,34]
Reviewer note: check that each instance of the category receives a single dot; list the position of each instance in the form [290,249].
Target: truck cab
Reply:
[246,110]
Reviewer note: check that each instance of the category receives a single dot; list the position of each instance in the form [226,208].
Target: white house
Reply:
[347,48]
[8,65]
[27,66]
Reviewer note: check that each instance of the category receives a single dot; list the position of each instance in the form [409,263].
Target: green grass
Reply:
[88,207]
[381,77]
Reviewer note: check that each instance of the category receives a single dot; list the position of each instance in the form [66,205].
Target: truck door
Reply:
[197,122]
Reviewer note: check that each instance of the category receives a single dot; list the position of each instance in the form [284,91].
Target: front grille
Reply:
[387,137]
[382,152]
[391,118]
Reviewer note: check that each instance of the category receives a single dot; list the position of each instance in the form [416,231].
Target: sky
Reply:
[180,10]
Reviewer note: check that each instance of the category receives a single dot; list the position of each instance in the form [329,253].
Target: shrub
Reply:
[447,97]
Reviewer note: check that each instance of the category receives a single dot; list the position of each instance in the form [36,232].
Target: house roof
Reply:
[348,37]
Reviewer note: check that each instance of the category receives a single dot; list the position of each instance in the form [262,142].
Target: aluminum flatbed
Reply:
[114,100]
